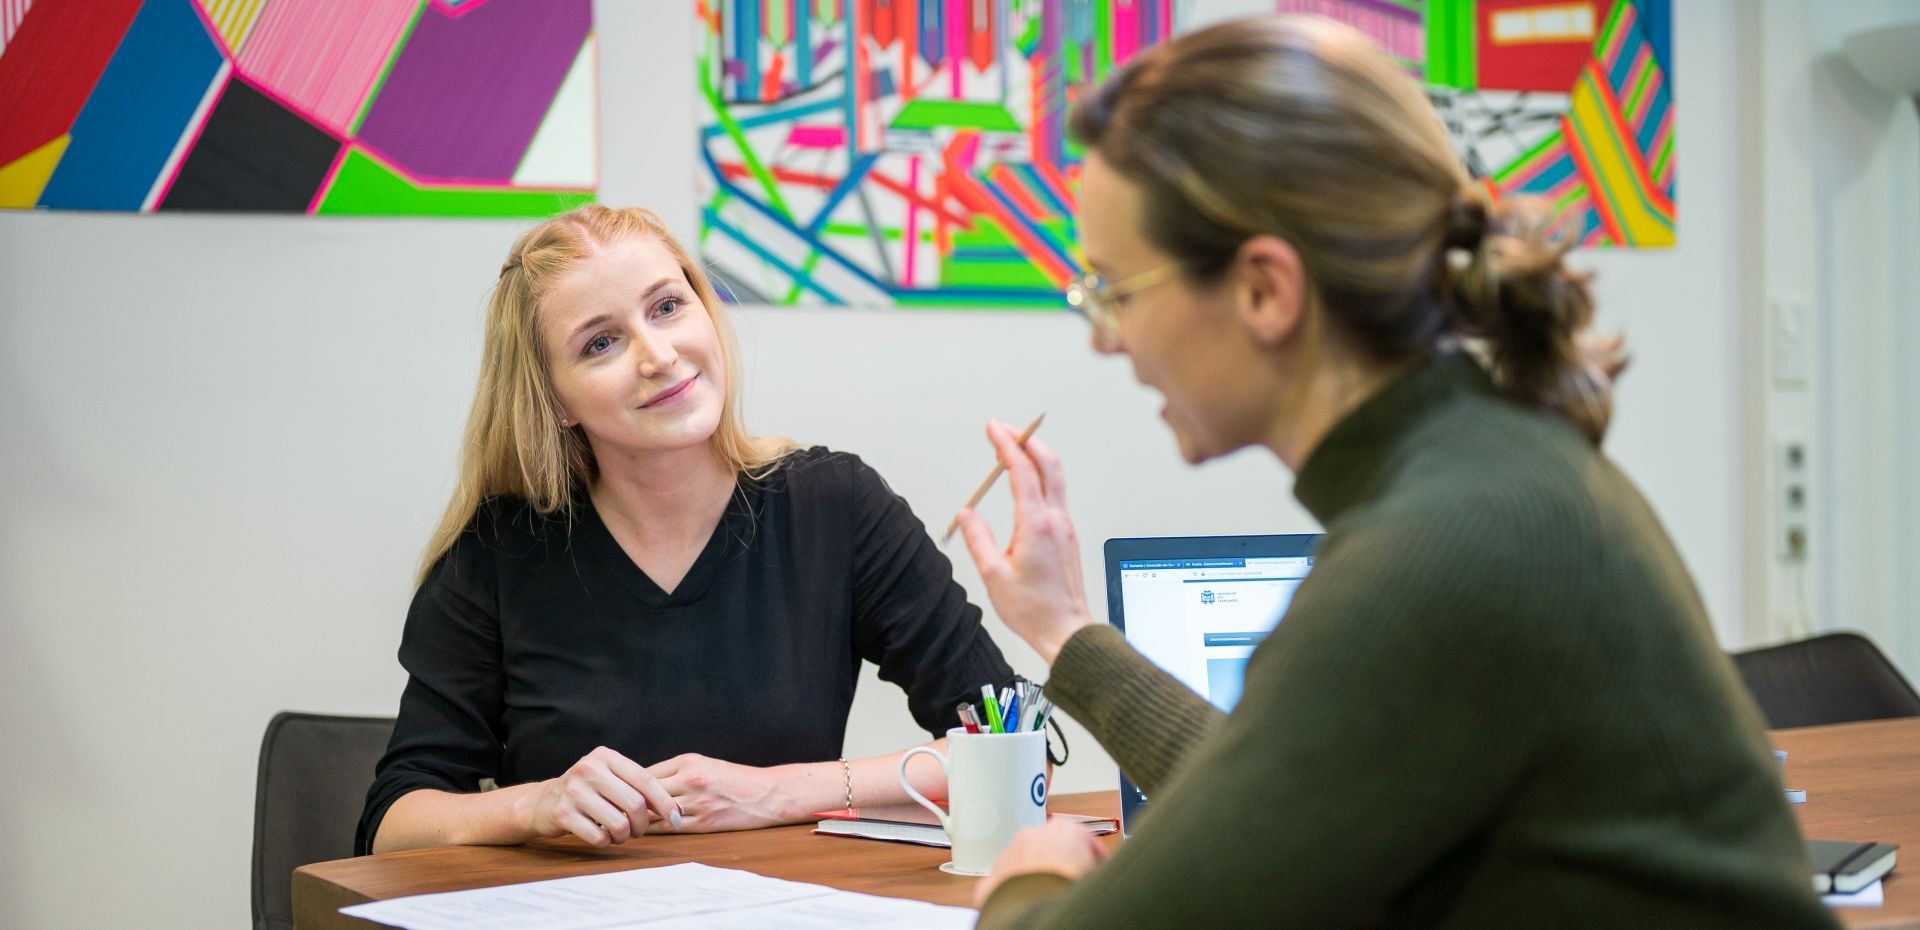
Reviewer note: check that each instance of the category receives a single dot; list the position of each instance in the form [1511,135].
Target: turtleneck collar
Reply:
[1346,468]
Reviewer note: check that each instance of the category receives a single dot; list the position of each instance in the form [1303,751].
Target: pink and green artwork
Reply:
[382,107]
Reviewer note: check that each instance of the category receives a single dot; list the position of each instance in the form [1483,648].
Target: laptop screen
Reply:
[1198,605]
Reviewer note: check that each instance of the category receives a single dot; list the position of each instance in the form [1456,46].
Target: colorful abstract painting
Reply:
[1569,100]
[414,107]
[900,152]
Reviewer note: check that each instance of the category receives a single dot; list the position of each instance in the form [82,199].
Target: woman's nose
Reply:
[656,355]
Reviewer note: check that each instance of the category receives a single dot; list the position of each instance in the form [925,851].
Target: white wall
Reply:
[1866,146]
[224,439]
[1835,187]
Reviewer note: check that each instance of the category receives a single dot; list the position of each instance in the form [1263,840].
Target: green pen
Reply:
[992,708]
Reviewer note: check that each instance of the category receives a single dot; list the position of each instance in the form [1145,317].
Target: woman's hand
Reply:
[1060,847]
[715,795]
[604,798]
[1035,585]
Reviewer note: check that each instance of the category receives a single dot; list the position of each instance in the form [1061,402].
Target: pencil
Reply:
[992,476]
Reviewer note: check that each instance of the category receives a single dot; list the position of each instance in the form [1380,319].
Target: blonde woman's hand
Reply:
[716,795]
[604,799]
[1034,584]
[1060,847]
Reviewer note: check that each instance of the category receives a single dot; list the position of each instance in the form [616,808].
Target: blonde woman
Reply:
[1497,701]
[635,615]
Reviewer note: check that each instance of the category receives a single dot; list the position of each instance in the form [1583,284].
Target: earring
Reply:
[565,423]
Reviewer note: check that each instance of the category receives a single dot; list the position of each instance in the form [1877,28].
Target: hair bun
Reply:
[1466,223]
[1530,311]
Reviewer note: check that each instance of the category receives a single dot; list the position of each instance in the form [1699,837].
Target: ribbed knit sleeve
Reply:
[1142,716]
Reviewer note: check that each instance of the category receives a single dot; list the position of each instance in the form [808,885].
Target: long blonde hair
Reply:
[515,445]
[1302,128]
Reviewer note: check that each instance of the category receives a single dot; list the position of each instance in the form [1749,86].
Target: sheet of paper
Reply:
[674,897]
[837,911]
[587,901]
[1870,896]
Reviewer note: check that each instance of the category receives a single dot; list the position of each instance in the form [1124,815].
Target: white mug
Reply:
[996,786]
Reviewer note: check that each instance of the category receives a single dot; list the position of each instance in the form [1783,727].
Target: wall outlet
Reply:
[1792,485]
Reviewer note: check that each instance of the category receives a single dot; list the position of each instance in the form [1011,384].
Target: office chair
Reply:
[314,773]
[1831,678]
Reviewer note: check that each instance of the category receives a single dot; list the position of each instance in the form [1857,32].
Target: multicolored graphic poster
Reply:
[1570,100]
[415,107]
[908,152]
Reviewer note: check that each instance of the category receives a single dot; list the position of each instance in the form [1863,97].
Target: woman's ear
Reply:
[1272,287]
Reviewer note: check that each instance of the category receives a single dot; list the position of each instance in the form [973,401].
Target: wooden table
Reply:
[1863,783]
[897,870]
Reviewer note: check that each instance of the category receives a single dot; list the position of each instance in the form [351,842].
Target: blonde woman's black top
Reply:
[537,638]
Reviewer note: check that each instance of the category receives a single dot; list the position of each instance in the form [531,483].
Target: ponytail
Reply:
[1511,294]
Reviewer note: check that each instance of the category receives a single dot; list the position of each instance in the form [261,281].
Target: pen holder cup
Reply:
[996,786]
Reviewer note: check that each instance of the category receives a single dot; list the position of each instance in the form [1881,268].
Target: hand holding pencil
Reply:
[1035,584]
[998,469]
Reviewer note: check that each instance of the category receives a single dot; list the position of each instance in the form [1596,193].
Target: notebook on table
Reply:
[1197,606]
[1846,867]
[911,823]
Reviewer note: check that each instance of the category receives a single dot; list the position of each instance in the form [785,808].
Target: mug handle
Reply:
[945,823]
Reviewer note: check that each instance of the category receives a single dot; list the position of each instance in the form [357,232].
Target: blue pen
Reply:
[1012,714]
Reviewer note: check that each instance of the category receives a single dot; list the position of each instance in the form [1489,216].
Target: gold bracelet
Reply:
[847,770]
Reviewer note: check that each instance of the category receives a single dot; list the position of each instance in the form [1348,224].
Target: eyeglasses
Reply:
[1092,297]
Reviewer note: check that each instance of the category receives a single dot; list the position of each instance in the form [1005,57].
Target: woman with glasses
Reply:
[1497,700]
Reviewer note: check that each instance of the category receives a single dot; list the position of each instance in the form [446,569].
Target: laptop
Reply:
[1197,606]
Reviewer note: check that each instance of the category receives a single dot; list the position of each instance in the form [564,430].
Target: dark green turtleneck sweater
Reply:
[1496,702]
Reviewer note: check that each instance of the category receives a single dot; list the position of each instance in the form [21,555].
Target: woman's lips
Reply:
[668,395]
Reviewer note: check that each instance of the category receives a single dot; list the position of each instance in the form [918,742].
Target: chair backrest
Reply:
[314,774]
[1832,678]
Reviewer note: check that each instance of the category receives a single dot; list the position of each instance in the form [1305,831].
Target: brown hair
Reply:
[515,445]
[1302,128]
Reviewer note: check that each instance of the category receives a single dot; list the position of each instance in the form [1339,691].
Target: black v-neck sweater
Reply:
[536,639]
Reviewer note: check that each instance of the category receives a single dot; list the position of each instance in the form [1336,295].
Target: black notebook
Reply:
[911,823]
[1844,867]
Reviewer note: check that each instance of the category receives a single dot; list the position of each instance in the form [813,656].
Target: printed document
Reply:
[673,897]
